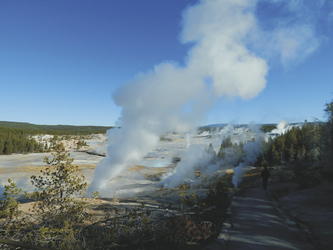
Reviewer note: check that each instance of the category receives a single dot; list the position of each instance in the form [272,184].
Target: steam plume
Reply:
[172,97]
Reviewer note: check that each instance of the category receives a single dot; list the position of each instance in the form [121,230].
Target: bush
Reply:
[203,218]
[130,229]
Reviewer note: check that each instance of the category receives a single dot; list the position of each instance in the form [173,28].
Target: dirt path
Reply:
[255,223]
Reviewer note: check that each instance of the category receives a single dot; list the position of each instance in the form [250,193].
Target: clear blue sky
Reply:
[61,61]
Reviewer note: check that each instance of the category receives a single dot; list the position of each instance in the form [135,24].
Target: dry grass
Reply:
[251,178]
[30,169]
[85,166]
[21,169]
[136,168]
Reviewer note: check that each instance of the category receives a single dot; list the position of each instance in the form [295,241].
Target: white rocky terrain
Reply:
[163,158]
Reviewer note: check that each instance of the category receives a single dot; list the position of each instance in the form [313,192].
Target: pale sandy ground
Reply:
[20,167]
[158,200]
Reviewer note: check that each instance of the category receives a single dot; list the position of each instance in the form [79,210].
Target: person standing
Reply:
[265,174]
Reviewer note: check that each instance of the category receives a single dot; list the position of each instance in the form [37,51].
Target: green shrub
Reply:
[203,218]
[9,205]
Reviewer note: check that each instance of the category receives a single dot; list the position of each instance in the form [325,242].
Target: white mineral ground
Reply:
[136,185]
[19,167]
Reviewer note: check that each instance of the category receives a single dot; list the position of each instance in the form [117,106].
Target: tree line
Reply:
[17,141]
[307,146]
[55,129]
[310,144]
[16,137]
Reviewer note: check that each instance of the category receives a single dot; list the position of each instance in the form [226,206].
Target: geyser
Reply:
[174,97]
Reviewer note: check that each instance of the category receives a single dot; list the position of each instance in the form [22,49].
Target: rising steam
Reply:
[172,97]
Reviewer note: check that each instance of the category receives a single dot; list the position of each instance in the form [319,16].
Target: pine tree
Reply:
[280,147]
[8,148]
[9,205]
[224,145]
[328,137]
[275,156]
[2,145]
[56,189]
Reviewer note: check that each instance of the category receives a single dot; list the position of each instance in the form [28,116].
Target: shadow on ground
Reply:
[255,223]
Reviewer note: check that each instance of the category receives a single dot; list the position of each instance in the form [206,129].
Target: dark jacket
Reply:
[265,174]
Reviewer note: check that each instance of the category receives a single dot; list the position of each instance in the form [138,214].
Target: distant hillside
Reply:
[55,129]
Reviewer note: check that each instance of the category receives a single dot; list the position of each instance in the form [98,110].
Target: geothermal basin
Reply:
[144,177]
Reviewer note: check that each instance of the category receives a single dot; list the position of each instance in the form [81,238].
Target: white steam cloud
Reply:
[176,98]
[290,29]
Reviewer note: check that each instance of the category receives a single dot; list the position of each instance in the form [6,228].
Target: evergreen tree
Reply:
[328,138]
[279,143]
[8,148]
[56,188]
[2,146]
[226,143]
[16,141]
[275,156]
[9,205]
[301,155]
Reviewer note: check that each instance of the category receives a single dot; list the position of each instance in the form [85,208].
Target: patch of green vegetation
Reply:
[9,205]
[203,217]
[16,137]
[58,218]
[268,127]
[17,141]
[308,148]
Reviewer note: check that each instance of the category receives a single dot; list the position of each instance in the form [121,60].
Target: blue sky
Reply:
[61,62]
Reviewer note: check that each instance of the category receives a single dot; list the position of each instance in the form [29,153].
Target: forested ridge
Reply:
[55,129]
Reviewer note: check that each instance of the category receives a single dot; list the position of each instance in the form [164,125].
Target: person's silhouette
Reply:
[265,175]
